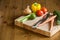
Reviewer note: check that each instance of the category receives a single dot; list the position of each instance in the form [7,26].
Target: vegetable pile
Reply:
[36,10]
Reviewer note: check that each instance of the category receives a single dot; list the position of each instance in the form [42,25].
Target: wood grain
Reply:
[11,9]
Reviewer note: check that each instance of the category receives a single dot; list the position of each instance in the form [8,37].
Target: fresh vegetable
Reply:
[41,19]
[27,10]
[49,19]
[58,22]
[39,13]
[35,7]
[56,12]
[44,9]
[32,16]
[25,18]
[46,16]
[51,24]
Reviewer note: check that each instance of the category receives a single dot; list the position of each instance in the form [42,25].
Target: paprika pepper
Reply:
[35,7]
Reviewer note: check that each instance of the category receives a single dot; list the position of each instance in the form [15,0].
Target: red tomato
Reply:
[44,9]
[39,13]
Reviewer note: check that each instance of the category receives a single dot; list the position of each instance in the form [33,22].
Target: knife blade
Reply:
[41,21]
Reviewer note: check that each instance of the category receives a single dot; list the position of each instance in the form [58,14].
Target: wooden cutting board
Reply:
[44,30]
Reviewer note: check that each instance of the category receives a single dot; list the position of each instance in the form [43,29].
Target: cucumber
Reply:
[56,12]
[58,22]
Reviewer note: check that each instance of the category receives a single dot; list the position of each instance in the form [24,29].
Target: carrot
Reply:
[49,19]
[44,14]
[51,24]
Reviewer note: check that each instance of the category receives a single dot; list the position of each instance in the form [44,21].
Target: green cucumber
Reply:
[56,12]
[58,22]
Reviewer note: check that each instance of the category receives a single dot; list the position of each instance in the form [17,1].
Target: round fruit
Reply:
[39,13]
[44,9]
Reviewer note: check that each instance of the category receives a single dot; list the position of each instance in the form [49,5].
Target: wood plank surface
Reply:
[11,9]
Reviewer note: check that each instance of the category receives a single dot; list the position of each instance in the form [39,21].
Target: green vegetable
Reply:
[58,22]
[32,16]
[56,12]
[25,18]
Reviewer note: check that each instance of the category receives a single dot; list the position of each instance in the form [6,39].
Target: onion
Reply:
[27,10]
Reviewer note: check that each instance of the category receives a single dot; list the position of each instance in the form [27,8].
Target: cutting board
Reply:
[44,29]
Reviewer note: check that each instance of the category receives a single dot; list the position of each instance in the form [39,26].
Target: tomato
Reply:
[39,13]
[44,9]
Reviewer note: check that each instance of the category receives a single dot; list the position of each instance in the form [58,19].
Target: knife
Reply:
[41,21]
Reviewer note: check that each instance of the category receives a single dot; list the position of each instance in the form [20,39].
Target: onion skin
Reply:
[27,10]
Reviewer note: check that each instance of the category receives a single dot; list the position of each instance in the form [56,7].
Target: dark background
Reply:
[11,9]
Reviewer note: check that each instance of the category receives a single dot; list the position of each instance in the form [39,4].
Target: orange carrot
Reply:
[51,24]
[49,19]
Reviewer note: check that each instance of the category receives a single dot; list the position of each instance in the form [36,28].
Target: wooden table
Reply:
[16,33]
[11,9]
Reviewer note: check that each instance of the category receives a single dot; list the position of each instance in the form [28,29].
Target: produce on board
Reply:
[36,10]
